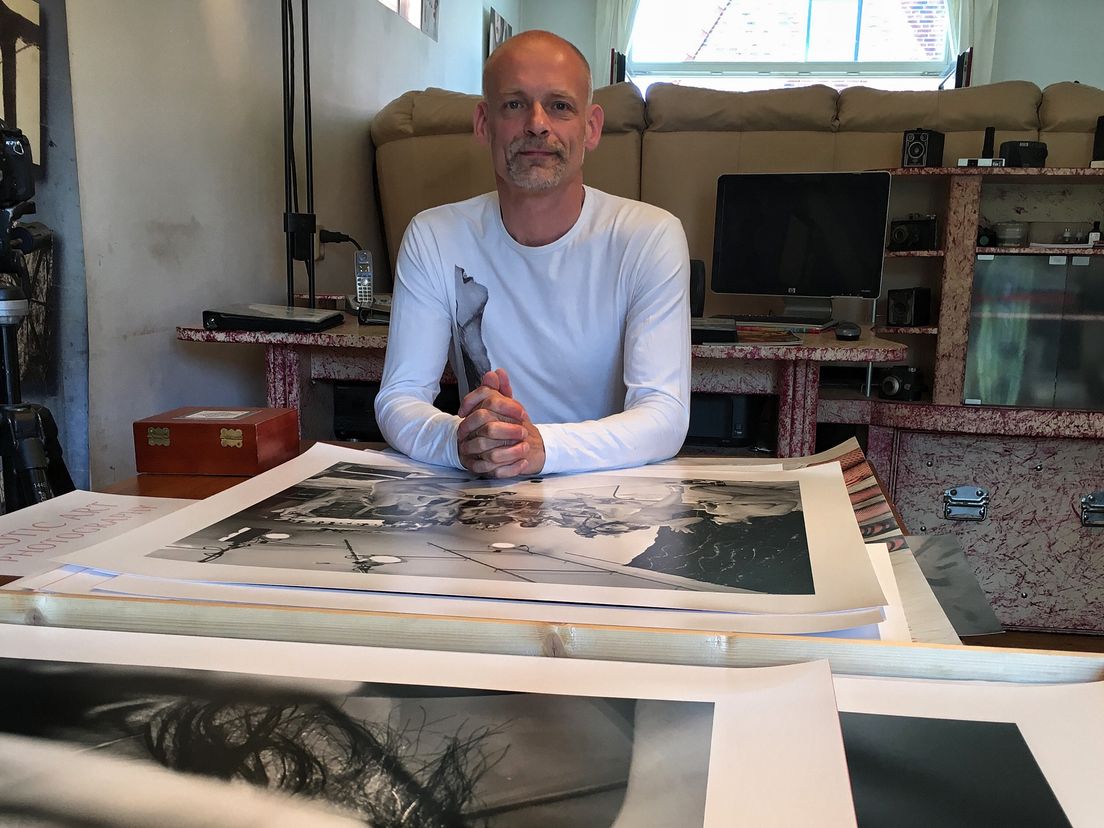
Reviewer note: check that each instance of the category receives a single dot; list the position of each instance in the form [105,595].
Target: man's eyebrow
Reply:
[554,93]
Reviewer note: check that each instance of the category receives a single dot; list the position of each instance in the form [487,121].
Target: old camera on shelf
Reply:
[917,232]
[901,382]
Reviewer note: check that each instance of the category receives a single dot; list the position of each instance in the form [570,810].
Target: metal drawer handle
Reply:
[970,502]
[1092,509]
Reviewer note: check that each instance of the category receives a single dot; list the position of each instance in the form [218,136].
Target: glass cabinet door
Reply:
[1016,330]
[1080,382]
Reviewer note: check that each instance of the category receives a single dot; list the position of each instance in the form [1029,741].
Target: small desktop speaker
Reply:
[922,148]
[908,307]
[1024,153]
[697,288]
[987,143]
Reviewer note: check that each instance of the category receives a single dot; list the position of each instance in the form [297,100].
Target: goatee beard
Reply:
[534,177]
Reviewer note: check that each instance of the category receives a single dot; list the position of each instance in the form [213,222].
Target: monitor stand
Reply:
[812,307]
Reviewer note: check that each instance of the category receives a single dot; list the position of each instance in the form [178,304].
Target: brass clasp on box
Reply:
[231,438]
[1092,509]
[965,503]
[157,436]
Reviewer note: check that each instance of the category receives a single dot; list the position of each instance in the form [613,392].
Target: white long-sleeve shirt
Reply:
[593,330]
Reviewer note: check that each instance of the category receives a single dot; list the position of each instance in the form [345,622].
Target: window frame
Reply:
[813,70]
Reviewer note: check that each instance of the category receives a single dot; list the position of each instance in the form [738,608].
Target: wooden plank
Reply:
[546,640]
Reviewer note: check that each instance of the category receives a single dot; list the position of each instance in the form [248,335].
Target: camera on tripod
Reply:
[30,452]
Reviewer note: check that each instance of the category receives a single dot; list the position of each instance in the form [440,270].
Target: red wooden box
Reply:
[211,440]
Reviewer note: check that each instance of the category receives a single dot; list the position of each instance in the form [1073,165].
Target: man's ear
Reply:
[595,118]
[479,123]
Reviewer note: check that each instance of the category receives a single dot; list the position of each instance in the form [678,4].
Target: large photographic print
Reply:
[391,755]
[599,531]
[143,729]
[730,541]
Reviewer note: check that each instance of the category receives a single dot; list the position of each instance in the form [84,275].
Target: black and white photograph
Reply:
[602,531]
[338,518]
[957,753]
[179,730]
[913,771]
[498,31]
[430,17]
[389,755]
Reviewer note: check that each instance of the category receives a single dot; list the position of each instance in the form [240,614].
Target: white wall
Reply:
[1047,42]
[572,20]
[177,113]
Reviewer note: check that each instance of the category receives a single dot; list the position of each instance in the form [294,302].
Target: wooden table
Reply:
[558,640]
[351,352]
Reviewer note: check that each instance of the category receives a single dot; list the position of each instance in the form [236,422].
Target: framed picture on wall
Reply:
[21,42]
[430,12]
[498,32]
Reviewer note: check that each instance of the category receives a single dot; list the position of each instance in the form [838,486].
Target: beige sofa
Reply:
[670,149]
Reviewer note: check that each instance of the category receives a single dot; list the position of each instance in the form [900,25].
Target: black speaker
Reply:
[987,144]
[697,288]
[1023,153]
[908,307]
[1098,141]
[922,148]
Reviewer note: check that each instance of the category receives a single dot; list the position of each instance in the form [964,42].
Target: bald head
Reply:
[533,45]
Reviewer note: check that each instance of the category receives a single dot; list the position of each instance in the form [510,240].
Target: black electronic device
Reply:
[16,167]
[848,331]
[257,317]
[1023,153]
[917,232]
[901,382]
[986,158]
[34,469]
[987,144]
[726,419]
[922,148]
[1098,144]
[803,236]
[713,329]
[908,307]
[697,288]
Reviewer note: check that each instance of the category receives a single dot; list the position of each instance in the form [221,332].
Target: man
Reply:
[563,310]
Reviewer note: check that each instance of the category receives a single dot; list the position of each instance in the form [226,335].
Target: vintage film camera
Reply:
[917,232]
[901,382]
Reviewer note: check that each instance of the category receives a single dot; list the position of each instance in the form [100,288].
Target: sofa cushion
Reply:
[675,108]
[1012,105]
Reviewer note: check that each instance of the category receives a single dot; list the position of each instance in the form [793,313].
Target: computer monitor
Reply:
[801,234]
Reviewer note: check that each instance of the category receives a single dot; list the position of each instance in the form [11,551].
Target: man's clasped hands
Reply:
[496,438]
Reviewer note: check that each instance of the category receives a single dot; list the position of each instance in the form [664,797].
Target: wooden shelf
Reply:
[914,330]
[912,254]
[1055,250]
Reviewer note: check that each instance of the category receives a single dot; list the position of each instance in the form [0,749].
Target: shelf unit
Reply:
[1048,250]
[952,288]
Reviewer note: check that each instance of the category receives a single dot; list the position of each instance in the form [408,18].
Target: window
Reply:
[749,44]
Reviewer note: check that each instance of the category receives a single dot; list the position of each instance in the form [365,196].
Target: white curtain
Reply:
[613,25]
[974,23]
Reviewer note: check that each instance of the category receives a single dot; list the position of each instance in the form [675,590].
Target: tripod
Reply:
[30,453]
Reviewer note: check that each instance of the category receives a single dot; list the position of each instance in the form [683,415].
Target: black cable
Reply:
[333,236]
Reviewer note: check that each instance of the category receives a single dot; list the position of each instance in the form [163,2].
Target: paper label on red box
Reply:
[215,415]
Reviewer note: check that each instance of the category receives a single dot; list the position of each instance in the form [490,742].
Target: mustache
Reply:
[536,144]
